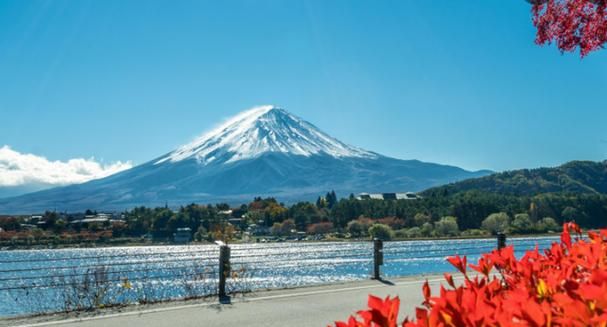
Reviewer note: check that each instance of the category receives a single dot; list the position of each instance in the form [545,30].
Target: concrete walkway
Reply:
[309,306]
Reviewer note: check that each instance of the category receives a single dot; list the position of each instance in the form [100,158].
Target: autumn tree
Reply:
[571,24]
[320,228]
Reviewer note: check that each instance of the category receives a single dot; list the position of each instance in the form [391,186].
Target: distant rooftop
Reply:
[388,196]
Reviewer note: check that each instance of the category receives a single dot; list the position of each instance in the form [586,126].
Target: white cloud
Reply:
[17,169]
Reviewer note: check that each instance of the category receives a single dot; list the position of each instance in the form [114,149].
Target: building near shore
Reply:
[183,235]
[388,196]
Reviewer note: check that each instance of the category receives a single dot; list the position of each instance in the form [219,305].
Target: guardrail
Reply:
[199,259]
[219,271]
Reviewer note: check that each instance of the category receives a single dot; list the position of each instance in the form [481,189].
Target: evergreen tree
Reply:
[331,199]
[321,202]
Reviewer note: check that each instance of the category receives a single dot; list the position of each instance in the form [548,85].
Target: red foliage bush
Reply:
[320,228]
[571,23]
[564,286]
[7,235]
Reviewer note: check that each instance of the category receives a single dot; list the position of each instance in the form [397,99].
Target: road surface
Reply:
[309,306]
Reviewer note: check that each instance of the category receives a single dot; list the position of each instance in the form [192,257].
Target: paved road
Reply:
[311,306]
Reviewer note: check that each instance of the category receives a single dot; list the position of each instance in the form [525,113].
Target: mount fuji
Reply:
[265,151]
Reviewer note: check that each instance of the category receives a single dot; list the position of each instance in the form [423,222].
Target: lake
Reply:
[36,281]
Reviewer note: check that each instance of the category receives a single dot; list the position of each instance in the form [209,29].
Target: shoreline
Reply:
[153,244]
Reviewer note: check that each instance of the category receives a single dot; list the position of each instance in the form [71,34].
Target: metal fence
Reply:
[77,282]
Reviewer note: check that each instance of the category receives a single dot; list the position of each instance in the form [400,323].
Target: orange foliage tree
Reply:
[566,285]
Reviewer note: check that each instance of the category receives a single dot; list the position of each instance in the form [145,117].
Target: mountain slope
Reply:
[265,151]
[573,177]
[261,130]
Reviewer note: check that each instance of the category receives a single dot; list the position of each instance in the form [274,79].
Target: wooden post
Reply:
[224,270]
[501,241]
[378,257]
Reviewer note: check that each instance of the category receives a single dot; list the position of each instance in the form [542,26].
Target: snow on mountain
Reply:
[262,130]
[265,151]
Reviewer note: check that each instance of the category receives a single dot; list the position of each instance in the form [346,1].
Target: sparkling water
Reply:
[36,281]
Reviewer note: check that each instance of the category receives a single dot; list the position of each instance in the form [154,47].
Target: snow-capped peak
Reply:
[261,130]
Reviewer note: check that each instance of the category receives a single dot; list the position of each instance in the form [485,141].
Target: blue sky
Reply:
[456,82]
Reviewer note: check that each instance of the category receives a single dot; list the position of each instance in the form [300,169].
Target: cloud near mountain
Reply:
[22,169]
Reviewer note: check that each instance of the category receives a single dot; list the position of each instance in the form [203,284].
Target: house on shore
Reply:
[183,235]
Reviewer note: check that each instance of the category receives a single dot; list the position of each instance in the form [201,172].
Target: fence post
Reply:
[378,257]
[224,270]
[501,240]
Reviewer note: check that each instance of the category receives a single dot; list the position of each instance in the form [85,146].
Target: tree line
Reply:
[467,213]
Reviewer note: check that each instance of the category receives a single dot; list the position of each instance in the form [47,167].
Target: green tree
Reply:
[496,222]
[331,199]
[473,206]
[321,202]
[160,222]
[60,226]
[9,223]
[571,214]
[305,213]
[381,231]
[413,232]
[393,222]
[522,223]
[50,219]
[474,232]
[359,227]
[547,224]
[201,234]
[178,220]
[421,218]
[447,226]
[427,229]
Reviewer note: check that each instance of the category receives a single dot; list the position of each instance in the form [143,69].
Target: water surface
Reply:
[35,281]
